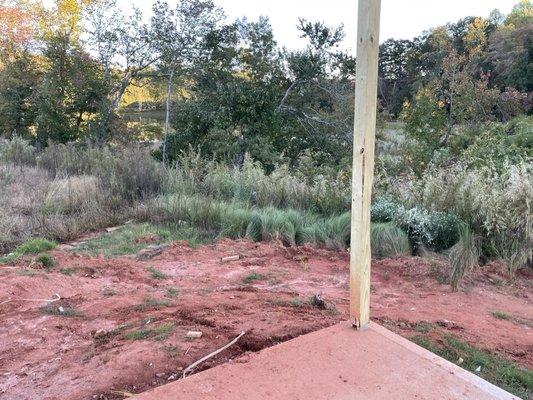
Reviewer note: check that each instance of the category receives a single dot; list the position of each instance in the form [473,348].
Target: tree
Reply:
[124,48]
[317,103]
[180,35]
[229,106]
[510,50]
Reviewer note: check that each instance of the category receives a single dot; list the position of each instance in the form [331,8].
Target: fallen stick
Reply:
[55,298]
[214,353]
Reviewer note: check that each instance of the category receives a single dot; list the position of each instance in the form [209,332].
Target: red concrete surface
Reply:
[337,363]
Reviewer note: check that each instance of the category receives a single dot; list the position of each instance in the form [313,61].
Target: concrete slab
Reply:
[337,363]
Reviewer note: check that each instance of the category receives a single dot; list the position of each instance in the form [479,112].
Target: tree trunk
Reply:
[167,119]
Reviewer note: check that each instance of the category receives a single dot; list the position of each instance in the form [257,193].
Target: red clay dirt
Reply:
[95,355]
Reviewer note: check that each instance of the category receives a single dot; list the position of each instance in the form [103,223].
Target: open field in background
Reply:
[129,297]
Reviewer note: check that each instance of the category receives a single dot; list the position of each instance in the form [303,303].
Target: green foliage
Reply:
[60,311]
[436,230]
[493,368]
[172,292]
[32,246]
[464,256]
[17,151]
[388,240]
[254,276]
[150,304]
[157,274]
[500,315]
[46,260]
[129,239]
[160,332]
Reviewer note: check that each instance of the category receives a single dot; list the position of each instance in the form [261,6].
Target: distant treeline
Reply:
[229,89]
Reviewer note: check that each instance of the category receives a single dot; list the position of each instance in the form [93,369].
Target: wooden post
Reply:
[363,158]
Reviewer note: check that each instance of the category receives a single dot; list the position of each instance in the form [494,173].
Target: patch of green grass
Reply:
[127,240]
[494,368]
[102,339]
[297,302]
[32,246]
[423,326]
[172,292]
[60,311]
[254,276]
[500,315]
[160,332]
[157,274]
[149,304]
[46,260]
[389,240]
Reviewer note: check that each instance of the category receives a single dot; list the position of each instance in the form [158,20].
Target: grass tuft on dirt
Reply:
[46,260]
[33,246]
[254,276]
[159,333]
[157,274]
[60,311]
[149,304]
[133,238]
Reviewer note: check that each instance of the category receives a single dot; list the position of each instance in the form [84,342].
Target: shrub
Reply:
[72,194]
[17,151]
[436,230]
[46,260]
[464,255]
[388,240]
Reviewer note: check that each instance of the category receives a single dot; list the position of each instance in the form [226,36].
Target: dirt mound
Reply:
[121,324]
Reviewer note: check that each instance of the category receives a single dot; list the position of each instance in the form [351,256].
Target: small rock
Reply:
[193,335]
[100,333]
[171,377]
[478,369]
[230,258]
[160,374]
[150,252]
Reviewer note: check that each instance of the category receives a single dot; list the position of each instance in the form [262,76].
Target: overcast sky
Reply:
[400,19]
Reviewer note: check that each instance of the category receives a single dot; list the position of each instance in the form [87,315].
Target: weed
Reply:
[388,240]
[160,332]
[423,326]
[27,272]
[436,272]
[500,315]
[151,304]
[172,293]
[171,350]
[60,311]
[317,301]
[68,271]
[297,302]
[32,246]
[46,260]
[254,276]
[491,367]
[108,292]
[157,274]
[464,255]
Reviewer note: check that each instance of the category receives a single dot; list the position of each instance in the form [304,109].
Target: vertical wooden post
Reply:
[363,158]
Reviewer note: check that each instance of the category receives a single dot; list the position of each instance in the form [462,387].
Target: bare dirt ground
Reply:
[122,325]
